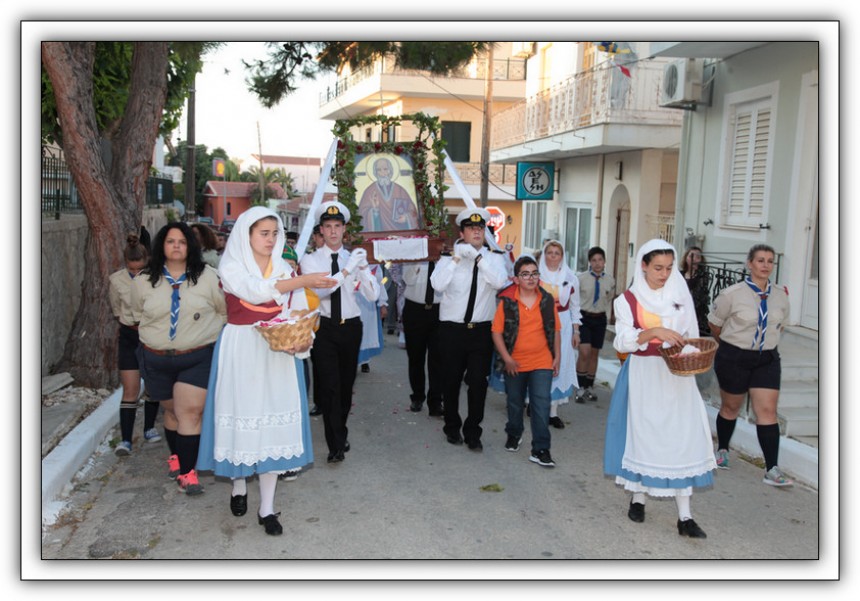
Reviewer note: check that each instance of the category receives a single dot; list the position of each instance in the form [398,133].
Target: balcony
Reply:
[593,112]
[383,82]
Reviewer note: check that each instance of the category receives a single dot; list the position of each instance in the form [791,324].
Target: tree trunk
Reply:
[112,196]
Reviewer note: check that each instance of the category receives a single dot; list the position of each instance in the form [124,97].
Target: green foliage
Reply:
[274,78]
[111,72]
[425,151]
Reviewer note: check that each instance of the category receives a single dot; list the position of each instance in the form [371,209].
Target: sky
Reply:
[227,114]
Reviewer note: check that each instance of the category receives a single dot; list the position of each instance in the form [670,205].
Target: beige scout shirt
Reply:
[119,295]
[586,293]
[202,311]
[736,312]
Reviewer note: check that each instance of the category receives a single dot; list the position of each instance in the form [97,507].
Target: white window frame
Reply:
[534,223]
[752,102]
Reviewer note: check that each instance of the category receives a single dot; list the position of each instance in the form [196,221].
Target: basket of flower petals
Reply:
[696,356]
[289,334]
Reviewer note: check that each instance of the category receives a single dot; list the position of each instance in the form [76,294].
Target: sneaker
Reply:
[589,394]
[775,477]
[542,457]
[513,444]
[722,459]
[173,467]
[189,484]
[580,396]
[123,448]
[152,435]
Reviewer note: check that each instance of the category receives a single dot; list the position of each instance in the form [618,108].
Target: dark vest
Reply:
[511,309]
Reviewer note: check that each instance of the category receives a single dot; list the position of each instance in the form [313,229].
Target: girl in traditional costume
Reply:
[256,415]
[658,441]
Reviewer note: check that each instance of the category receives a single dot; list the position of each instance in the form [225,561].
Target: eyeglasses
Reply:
[529,275]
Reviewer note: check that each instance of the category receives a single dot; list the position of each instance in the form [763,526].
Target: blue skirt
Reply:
[206,453]
[616,439]
[365,354]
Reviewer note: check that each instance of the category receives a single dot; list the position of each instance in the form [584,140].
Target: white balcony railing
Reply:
[599,96]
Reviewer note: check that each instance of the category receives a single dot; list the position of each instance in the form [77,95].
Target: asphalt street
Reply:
[404,492]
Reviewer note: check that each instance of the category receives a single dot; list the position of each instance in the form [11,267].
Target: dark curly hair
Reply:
[210,241]
[193,263]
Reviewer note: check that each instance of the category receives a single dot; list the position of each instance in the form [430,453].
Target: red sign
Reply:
[497,221]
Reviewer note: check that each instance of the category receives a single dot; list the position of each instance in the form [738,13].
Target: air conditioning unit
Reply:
[682,83]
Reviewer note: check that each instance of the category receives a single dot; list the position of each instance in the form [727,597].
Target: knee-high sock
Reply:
[768,439]
[553,409]
[581,377]
[639,497]
[725,429]
[239,487]
[170,437]
[127,410]
[268,482]
[683,503]
[186,449]
[150,412]
[590,380]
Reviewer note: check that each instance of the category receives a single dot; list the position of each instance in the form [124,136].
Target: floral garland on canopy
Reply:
[425,151]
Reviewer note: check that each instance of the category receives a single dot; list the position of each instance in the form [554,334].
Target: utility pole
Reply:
[190,177]
[262,177]
[487,126]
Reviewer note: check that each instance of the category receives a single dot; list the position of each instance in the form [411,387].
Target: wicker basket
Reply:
[691,363]
[290,334]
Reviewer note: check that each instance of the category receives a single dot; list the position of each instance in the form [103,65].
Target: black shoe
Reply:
[636,512]
[239,504]
[475,445]
[435,411]
[542,458]
[556,422]
[365,368]
[391,331]
[346,447]
[335,457]
[315,411]
[456,439]
[415,406]
[271,523]
[690,528]
[513,443]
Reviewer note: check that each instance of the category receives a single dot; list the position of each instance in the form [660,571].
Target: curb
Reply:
[69,456]
[797,459]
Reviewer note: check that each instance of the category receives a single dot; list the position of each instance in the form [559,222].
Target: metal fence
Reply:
[60,195]
[726,269]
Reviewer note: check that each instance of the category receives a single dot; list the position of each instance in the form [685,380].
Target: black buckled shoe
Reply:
[455,439]
[415,406]
[475,445]
[637,512]
[239,504]
[315,410]
[690,528]
[335,457]
[271,524]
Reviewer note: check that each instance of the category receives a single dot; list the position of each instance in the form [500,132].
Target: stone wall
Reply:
[62,271]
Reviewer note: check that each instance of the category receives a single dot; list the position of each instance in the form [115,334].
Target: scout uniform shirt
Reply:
[120,296]
[586,293]
[736,311]
[202,311]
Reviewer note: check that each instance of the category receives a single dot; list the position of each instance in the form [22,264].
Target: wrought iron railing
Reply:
[508,69]
[726,269]
[60,194]
[597,96]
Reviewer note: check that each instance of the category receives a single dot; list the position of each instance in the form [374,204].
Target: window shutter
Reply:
[748,167]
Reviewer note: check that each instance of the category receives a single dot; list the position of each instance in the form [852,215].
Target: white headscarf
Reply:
[563,278]
[672,302]
[238,261]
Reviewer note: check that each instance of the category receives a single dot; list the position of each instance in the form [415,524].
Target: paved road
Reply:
[405,493]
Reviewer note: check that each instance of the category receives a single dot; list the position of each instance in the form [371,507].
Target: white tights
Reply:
[268,483]
[682,501]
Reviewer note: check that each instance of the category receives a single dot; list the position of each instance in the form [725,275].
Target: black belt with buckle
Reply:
[469,326]
[341,322]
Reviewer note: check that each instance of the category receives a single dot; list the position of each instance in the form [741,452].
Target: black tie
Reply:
[473,292]
[335,296]
[428,294]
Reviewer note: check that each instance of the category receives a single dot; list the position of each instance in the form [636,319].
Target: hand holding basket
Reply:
[689,364]
[293,335]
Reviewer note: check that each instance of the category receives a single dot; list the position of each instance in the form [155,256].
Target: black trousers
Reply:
[335,360]
[421,329]
[467,355]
